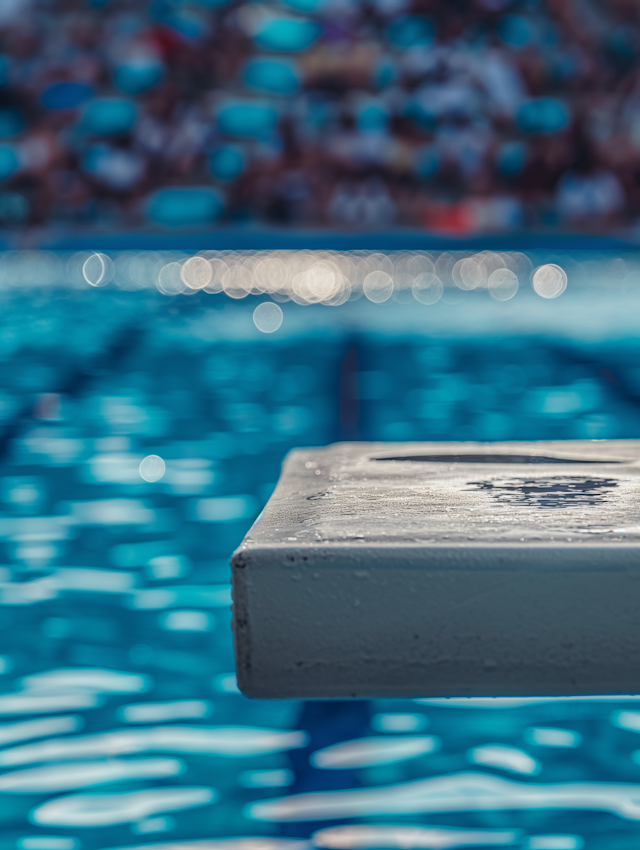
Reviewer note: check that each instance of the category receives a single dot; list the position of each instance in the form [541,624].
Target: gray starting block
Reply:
[444,569]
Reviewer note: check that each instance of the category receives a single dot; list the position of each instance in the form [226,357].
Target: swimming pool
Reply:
[121,721]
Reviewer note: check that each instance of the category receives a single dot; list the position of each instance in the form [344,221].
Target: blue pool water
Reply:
[121,725]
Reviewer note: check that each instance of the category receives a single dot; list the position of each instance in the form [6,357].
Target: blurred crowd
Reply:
[452,115]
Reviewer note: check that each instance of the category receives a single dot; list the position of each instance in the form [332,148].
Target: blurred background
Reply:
[228,229]
[461,117]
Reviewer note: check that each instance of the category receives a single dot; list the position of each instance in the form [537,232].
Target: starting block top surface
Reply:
[462,494]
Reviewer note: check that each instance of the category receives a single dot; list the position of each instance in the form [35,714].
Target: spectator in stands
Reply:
[589,195]
[475,115]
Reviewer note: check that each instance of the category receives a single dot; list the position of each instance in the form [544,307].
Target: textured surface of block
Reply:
[444,569]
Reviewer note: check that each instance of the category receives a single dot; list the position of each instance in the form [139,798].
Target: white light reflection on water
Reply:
[329,277]
[111,512]
[187,621]
[226,683]
[66,777]
[228,741]
[156,598]
[399,722]
[411,837]
[28,592]
[42,727]
[306,277]
[460,792]
[38,527]
[505,758]
[115,468]
[89,678]
[555,842]
[161,712]
[629,720]
[47,842]
[44,703]
[544,736]
[152,598]
[258,842]
[99,810]
[370,752]
[91,579]
[168,567]
[224,508]
[153,825]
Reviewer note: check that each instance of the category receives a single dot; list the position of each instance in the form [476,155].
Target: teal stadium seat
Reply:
[188,206]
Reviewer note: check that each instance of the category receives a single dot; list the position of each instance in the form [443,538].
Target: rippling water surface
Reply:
[120,721]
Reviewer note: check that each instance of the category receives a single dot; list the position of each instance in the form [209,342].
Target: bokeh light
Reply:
[427,288]
[329,277]
[152,468]
[503,284]
[549,281]
[97,269]
[267,317]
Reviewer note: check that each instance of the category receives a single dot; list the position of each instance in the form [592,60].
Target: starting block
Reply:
[444,570]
